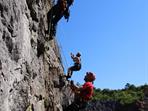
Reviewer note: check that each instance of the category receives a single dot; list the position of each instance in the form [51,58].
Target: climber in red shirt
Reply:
[82,94]
[87,91]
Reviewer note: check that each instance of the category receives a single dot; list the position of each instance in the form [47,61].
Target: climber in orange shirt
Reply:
[82,94]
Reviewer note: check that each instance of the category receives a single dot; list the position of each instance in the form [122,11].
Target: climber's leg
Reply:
[69,72]
[58,15]
[49,19]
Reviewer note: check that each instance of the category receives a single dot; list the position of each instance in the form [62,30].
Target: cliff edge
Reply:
[30,65]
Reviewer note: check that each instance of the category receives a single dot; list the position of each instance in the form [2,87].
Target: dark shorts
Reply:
[76,67]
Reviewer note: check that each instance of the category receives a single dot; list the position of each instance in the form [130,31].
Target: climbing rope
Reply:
[57,42]
[61,50]
[50,18]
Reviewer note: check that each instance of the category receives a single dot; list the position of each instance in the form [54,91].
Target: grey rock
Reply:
[27,68]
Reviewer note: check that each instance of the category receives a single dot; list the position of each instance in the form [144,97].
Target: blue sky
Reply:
[112,36]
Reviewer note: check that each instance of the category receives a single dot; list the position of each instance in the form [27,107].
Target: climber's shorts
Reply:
[76,67]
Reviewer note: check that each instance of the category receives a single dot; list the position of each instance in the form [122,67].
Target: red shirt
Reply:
[87,91]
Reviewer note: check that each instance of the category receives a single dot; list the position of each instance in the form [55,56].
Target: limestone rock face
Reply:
[30,66]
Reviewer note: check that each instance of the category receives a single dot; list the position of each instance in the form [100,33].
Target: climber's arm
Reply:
[72,56]
[75,88]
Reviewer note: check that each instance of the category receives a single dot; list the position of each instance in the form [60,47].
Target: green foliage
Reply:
[127,95]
